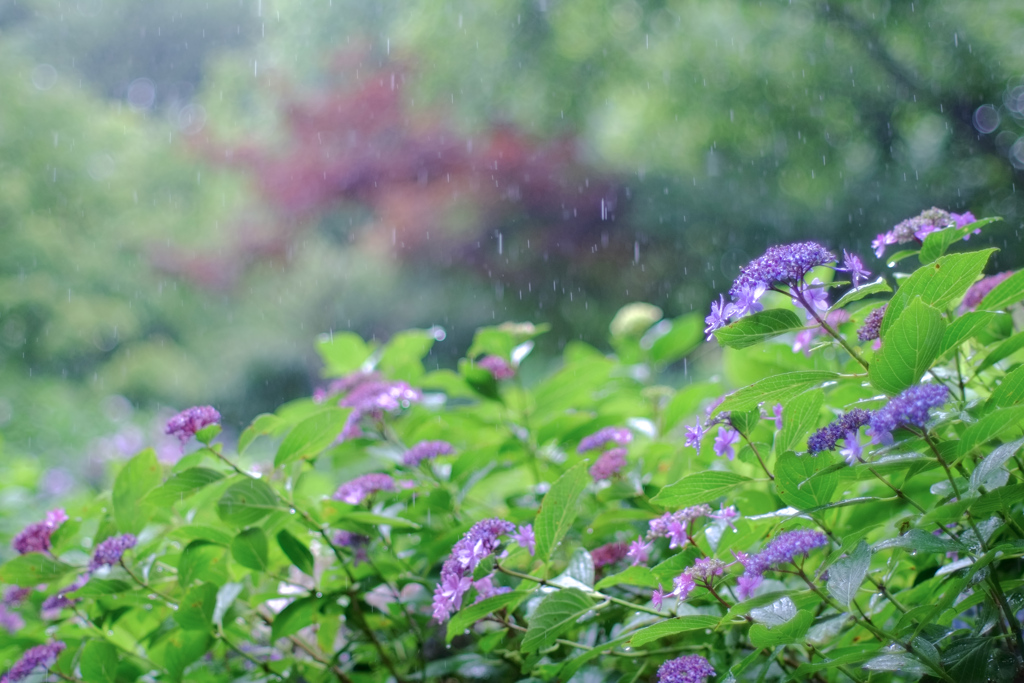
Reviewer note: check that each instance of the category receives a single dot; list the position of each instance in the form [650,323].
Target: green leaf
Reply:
[470,614]
[847,574]
[181,486]
[631,576]
[908,349]
[558,510]
[1009,291]
[686,334]
[796,483]
[263,425]
[294,617]
[920,541]
[247,502]
[204,561]
[195,611]
[670,627]
[939,283]
[791,632]
[98,662]
[372,519]
[700,487]
[963,328]
[137,478]
[400,358]
[1010,390]
[936,243]
[993,462]
[312,436]
[556,614]
[32,569]
[1007,348]
[759,327]
[799,416]
[744,421]
[342,352]
[775,389]
[226,596]
[296,551]
[183,648]
[208,434]
[901,255]
[989,427]
[879,285]
[98,587]
[573,665]
[250,548]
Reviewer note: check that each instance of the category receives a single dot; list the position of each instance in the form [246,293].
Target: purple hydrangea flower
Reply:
[609,553]
[15,595]
[639,552]
[747,300]
[609,464]
[980,289]
[786,263]
[872,324]
[357,543]
[35,538]
[852,448]
[597,440]
[693,436]
[815,297]
[727,436]
[909,408]
[497,366]
[777,413]
[825,438]
[685,669]
[921,225]
[356,491]
[40,656]
[54,605]
[373,399]
[485,588]
[345,384]
[780,550]
[482,539]
[10,621]
[657,597]
[805,338]
[674,525]
[525,537]
[109,551]
[720,314]
[426,450]
[882,241]
[855,267]
[185,424]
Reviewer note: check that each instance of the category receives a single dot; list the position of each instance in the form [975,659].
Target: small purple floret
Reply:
[720,314]
[727,436]
[497,366]
[355,491]
[525,537]
[872,324]
[426,450]
[909,408]
[35,538]
[109,551]
[482,539]
[825,438]
[40,656]
[185,424]
[597,440]
[685,669]
[609,464]
[639,552]
[694,435]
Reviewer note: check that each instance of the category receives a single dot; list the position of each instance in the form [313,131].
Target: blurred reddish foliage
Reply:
[433,193]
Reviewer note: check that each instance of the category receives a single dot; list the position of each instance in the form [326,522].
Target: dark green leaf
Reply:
[1010,390]
[989,427]
[203,561]
[1004,350]
[137,478]
[799,416]
[775,389]
[250,548]
[1007,292]
[963,328]
[847,574]
[744,421]
[700,487]
[555,615]
[195,611]
[791,632]
[908,349]
[1003,498]
[311,436]
[574,664]
[98,662]
[246,502]
[558,510]
[470,614]
[759,327]
[295,616]
[296,551]
[879,285]
[796,487]
[670,627]
[32,569]
[181,486]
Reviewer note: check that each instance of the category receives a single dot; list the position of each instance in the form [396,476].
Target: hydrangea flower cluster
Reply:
[357,543]
[980,289]
[608,464]
[343,385]
[109,551]
[872,324]
[497,366]
[185,424]
[54,605]
[598,440]
[356,491]
[727,437]
[485,588]
[703,571]
[910,407]
[608,554]
[426,450]
[482,539]
[35,538]
[685,669]
[920,226]
[825,439]
[41,656]
[373,399]
[782,549]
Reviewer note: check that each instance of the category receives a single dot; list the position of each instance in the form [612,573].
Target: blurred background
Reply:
[191,192]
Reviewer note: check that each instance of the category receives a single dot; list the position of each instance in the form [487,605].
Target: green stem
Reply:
[596,594]
[797,295]
[756,453]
